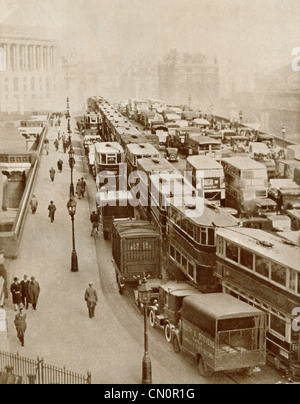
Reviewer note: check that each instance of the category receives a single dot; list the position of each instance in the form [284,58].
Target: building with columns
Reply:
[31,74]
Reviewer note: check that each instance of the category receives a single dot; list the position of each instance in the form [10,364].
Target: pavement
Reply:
[60,330]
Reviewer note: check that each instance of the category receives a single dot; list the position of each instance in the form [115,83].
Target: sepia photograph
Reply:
[149,194]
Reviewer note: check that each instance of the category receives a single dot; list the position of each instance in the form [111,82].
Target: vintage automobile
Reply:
[165,311]
[172,154]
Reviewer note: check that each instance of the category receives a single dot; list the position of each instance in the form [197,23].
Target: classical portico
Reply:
[31,73]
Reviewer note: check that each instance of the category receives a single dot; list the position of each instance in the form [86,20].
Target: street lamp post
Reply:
[72,165]
[68,116]
[144,297]
[71,205]
[241,115]
[283,131]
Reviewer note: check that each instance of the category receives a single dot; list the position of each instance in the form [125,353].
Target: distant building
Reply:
[188,78]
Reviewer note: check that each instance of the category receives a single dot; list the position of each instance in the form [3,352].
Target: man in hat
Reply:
[34,292]
[91,299]
[20,323]
[16,291]
[52,210]
[33,204]
[25,292]
[52,174]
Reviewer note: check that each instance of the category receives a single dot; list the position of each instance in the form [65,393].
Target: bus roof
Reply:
[210,216]
[142,149]
[244,163]
[156,165]
[204,163]
[269,245]
[216,306]
[103,198]
[106,147]
[201,139]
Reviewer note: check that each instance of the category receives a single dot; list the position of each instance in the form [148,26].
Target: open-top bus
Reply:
[262,269]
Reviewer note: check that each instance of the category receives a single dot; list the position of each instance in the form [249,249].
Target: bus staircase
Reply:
[15,369]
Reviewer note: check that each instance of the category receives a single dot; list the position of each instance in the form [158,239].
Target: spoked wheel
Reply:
[203,369]
[152,318]
[168,332]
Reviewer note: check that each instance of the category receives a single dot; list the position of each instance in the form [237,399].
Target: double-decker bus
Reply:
[246,182]
[212,173]
[201,145]
[136,151]
[92,123]
[262,269]
[109,160]
[191,233]
[160,180]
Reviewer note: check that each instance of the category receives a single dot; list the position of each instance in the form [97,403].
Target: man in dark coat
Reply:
[52,174]
[16,290]
[52,210]
[91,299]
[20,323]
[25,292]
[95,220]
[60,164]
[34,292]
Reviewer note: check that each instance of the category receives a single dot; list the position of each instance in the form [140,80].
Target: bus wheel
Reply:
[176,345]
[203,369]
[168,332]
[152,318]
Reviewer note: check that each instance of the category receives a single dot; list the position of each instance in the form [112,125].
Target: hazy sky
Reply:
[260,32]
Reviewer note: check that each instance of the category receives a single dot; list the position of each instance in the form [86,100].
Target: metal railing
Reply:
[36,371]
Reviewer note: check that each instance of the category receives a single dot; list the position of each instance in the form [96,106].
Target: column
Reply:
[34,57]
[17,57]
[48,58]
[25,61]
[7,47]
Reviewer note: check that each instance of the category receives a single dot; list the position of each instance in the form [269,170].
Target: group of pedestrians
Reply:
[24,293]
[27,291]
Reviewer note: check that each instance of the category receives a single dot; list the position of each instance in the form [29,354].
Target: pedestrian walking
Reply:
[21,325]
[25,291]
[83,186]
[59,136]
[60,164]
[79,189]
[46,146]
[34,292]
[95,220]
[56,144]
[52,210]
[52,174]
[16,291]
[33,204]
[65,146]
[91,299]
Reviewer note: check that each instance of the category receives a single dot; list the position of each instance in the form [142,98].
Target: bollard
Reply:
[9,369]
[31,379]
